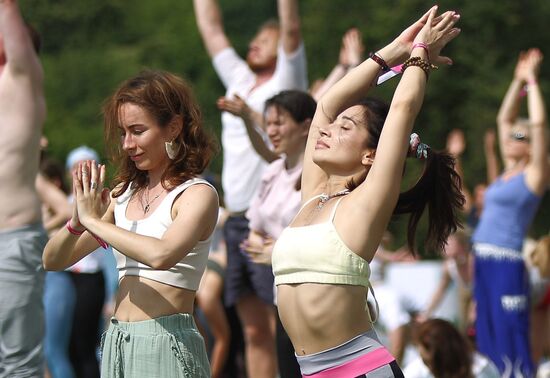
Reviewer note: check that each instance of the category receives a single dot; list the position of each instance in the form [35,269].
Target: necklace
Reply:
[148,203]
[324,197]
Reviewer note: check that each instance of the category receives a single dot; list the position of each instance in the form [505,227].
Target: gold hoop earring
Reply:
[172,149]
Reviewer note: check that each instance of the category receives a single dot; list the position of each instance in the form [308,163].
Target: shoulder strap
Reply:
[333,213]
[182,187]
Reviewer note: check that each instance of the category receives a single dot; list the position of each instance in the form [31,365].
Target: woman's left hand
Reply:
[92,199]
[259,252]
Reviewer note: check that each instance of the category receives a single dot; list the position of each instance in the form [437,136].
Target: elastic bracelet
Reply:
[531,82]
[72,230]
[418,62]
[380,61]
[424,46]
[101,242]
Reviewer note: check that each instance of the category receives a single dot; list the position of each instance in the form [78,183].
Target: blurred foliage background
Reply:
[90,46]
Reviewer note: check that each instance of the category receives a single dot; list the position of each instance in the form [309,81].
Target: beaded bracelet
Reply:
[418,62]
[380,61]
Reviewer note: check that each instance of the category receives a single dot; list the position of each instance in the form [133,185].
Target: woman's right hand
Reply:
[236,106]
[437,32]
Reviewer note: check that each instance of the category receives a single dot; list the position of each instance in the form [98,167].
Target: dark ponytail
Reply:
[438,188]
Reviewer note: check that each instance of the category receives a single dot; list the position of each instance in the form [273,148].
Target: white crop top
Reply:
[185,274]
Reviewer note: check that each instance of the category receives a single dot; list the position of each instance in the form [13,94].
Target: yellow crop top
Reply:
[317,254]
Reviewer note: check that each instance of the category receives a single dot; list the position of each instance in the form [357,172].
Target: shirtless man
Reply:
[22,237]
[275,61]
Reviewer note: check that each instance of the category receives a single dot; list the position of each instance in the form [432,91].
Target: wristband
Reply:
[72,230]
[76,232]
[380,61]
[423,46]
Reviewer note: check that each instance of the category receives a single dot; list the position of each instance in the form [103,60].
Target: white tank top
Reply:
[185,274]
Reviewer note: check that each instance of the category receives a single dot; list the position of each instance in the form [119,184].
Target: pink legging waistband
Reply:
[358,366]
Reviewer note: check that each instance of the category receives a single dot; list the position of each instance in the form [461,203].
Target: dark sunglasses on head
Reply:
[519,136]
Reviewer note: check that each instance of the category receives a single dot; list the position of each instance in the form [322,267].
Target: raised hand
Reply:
[92,199]
[351,52]
[437,32]
[489,139]
[533,61]
[456,142]
[236,106]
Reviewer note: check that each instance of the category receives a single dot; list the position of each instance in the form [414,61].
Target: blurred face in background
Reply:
[286,134]
[517,145]
[262,50]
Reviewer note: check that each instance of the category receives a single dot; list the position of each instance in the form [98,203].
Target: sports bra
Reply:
[317,254]
[185,274]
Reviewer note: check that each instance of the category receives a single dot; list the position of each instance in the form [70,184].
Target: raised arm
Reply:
[509,109]
[491,160]
[537,168]
[210,24]
[20,55]
[56,200]
[347,92]
[238,107]
[289,19]
[456,143]
[351,55]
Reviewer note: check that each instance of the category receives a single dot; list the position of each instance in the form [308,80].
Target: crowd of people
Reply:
[157,275]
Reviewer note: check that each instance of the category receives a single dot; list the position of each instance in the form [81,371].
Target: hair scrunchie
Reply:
[417,149]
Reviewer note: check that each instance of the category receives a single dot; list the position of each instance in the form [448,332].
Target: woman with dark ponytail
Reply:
[352,172]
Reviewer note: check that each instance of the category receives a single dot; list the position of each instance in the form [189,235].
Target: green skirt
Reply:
[165,347]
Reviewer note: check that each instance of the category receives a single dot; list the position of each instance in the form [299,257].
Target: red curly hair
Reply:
[165,97]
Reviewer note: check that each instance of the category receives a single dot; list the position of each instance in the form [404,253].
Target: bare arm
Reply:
[493,169]
[56,200]
[456,145]
[65,249]
[509,109]
[374,200]
[538,164]
[345,93]
[196,214]
[210,24]
[20,54]
[238,107]
[439,293]
[289,18]
[351,55]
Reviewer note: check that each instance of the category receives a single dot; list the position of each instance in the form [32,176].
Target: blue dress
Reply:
[501,283]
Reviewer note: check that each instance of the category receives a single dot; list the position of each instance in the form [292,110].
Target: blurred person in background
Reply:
[446,353]
[88,280]
[275,61]
[59,291]
[458,266]
[22,236]
[501,281]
